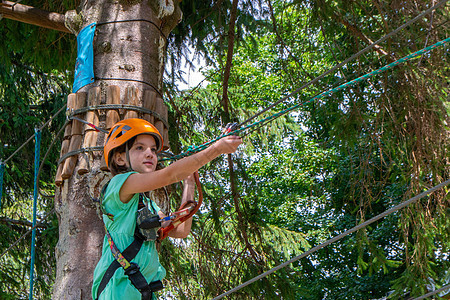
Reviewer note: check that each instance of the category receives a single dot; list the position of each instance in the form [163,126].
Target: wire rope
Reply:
[433,292]
[31,137]
[37,151]
[2,171]
[134,20]
[194,149]
[338,237]
[440,3]
[28,232]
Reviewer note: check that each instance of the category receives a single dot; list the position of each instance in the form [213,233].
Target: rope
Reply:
[45,158]
[89,124]
[75,152]
[347,60]
[134,20]
[194,149]
[433,292]
[2,171]
[119,106]
[130,79]
[340,236]
[31,137]
[27,233]
[37,148]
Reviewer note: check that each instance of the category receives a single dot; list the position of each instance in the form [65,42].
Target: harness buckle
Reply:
[156,286]
[229,128]
[132,269]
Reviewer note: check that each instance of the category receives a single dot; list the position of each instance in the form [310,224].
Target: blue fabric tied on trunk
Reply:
[84,67]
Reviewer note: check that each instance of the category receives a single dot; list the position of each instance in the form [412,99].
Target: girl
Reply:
[129,267]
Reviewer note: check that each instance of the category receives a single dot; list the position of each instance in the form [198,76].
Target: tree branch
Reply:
[356,32]
[8,221]
[226,73]
[34,16]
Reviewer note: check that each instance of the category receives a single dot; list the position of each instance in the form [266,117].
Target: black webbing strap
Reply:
[129,253]
[132,271]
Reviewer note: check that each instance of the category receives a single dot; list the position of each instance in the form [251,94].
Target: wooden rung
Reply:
[149,102]
[70,163]
[166,139]
[131,98]
[77,126]
[112,97]
[64,148]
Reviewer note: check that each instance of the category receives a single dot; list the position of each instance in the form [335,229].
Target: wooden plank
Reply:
[112,97]
[112,115]
[161,110]
[149,102]
[90,134]
[64,148]
[76,138]
[131,98]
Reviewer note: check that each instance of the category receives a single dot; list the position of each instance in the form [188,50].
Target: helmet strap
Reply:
[127,154]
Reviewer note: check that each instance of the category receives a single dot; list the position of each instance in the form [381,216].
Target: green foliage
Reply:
[301,179]
[29,96]
[361,149]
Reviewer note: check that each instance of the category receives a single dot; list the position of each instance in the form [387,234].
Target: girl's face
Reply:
[143,157]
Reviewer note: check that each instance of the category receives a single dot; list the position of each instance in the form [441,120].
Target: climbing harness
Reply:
[124,259]
[146,229]
[131,269]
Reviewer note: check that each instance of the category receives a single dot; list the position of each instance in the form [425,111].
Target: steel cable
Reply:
[338,237]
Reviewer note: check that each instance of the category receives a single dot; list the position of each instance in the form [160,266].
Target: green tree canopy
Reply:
[301,179]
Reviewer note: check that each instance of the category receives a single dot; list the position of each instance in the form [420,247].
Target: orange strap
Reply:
[186,211]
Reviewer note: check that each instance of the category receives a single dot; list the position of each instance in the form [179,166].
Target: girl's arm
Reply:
[182,231]
[179,170]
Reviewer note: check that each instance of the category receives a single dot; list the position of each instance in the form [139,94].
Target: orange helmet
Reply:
[126,129]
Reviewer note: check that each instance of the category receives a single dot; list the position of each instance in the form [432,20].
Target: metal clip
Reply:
[229,128]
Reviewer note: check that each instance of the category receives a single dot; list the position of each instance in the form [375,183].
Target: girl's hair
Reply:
[115,168]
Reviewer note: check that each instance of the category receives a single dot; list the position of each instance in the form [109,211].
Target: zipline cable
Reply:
[28,232]
[433,292]
[3,163]
[31,137]
[37,151]
[2,171]
[194,149]
[45,158]
[346,61]
[338,237]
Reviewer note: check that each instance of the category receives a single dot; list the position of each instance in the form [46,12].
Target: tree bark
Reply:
[126,54]
[229,63]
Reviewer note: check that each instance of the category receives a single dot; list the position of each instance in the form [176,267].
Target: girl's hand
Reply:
[228,144]
[190,180]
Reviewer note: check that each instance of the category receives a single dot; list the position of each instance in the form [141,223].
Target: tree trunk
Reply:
[133,52]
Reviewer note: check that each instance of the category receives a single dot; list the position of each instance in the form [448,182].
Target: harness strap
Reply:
[131,269]
[129,253]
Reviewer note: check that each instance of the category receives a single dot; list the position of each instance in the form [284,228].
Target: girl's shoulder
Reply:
[117,181]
